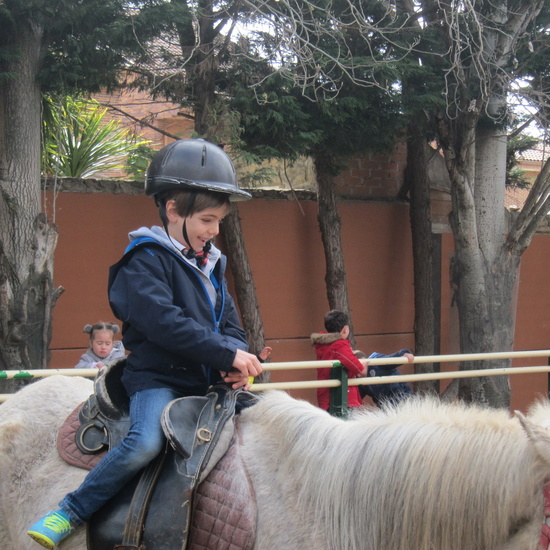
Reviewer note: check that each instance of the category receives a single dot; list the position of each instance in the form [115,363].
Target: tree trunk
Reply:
[487,325]
[330,227]
[27,241]
[486,264]
[203,68]
[483,272]
[423,254]
[245,290]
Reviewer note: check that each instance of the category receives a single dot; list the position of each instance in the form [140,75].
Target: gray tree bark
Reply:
[330,227]
[27,241]
[484,273]
[423,254]
[245,291]
[486,264]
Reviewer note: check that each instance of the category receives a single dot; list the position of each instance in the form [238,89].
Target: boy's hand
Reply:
[245,365]
[237,380]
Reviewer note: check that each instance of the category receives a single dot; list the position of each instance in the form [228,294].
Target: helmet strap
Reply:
[200,257]
[161,203]
[189,253]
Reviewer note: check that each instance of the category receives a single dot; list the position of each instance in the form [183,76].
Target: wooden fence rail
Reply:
[338,382]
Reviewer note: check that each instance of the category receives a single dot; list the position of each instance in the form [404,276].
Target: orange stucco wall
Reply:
[286,255]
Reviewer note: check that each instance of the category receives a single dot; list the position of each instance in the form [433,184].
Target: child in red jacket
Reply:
[334,345]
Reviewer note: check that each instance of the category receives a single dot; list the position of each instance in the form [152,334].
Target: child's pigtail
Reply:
[101,325]
[113,327]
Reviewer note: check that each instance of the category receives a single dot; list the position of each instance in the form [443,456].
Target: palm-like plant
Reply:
[77,142]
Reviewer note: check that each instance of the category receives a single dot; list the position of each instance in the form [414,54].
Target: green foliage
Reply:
[516,145]
[533,66]
[138,161]
[254,176]
[85,44]
[78,143]
[273,122]
[280,120]
[318,107]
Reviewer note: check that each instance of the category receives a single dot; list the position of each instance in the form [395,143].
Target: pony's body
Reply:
[423,476]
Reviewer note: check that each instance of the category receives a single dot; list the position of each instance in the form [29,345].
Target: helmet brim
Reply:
[162,184]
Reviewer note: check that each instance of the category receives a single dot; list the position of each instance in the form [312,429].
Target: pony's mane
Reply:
[435,471]
[539,413]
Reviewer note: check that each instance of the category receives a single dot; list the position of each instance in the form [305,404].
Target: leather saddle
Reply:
[154,511]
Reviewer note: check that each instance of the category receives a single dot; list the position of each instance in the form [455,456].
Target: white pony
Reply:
[423,476]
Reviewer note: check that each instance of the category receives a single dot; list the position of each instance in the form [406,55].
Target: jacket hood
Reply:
[156,232]
[324,338]
[118,348]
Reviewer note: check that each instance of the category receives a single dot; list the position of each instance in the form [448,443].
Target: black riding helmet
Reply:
[191,165]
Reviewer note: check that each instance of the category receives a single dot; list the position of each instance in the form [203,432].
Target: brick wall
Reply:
[374,175]
[144,110]
[142,107]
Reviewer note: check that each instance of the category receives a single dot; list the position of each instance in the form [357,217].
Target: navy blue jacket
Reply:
[381,393]
[176,336]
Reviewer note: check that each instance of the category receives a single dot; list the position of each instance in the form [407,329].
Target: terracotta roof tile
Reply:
[540,152]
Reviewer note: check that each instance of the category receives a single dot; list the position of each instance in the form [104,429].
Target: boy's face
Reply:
[201,226]
[102,344]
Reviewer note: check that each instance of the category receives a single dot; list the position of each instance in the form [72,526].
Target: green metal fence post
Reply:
[339,395]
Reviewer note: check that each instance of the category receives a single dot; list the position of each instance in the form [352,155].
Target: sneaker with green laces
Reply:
[51,529]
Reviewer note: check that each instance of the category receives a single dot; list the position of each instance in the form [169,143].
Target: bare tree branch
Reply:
[141,121]
[534,210]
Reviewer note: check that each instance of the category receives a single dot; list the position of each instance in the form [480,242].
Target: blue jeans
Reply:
[144,441]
